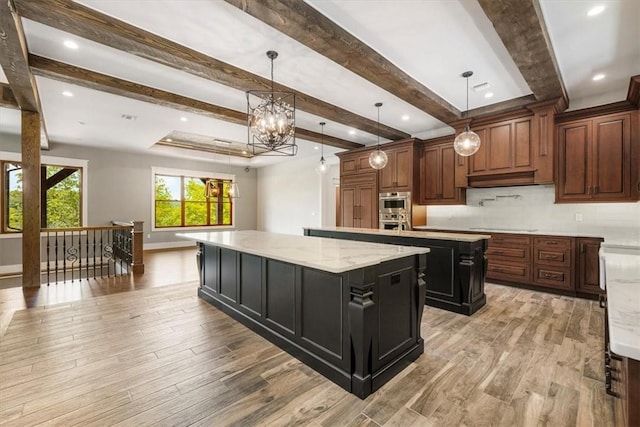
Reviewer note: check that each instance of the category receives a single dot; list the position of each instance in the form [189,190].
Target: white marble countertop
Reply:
[623,302]
[332,255]
[509,230]
[459,237]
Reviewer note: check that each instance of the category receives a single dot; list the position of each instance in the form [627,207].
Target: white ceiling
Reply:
[432,41]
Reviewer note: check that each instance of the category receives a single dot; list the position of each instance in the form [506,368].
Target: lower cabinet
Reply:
[623,383]
[552,264]
[587,265]
[509,258]
[566,264]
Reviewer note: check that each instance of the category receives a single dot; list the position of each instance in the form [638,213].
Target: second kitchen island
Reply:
[350,310]
[456,266]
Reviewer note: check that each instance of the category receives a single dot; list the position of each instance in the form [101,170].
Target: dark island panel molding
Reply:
[358,325]
[456,265]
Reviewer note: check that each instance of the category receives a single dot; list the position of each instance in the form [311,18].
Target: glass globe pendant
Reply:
[467,143]
[378,159]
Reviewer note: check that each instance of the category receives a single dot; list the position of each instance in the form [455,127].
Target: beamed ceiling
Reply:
[145,70]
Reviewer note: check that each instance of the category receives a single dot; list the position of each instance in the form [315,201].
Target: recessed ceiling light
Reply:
[352,132]
[405,117]
[67,94]
[244,152]
[316,148]
[597,10]
[488,95]
[82,123]
[169,140]
[597,77]
[183,119]
[70,44]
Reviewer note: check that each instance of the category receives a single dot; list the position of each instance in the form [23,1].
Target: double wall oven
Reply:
[395,210]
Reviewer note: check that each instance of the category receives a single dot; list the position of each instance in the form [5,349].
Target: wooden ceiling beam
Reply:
[520,24]
[90,79]
[13,59]
[303,23]
[6,97]
[90,24]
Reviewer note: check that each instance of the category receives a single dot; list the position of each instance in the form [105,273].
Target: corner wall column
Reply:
[30,199]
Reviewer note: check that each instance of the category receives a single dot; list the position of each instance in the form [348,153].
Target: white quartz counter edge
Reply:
[419,234]
[332,255]
[490,230]
[623,303]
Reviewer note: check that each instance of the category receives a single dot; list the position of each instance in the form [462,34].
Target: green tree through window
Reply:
[61,194]
[180,202]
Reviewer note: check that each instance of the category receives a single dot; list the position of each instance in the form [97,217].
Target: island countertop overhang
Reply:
[458,237]
[332,255]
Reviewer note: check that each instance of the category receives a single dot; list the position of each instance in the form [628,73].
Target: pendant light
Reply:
[272,122]
[234,191]
[467,143]
[378,159]
[322,167]
[211,188]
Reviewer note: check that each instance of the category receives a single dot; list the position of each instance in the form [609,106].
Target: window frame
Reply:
[186,173]
[82,164]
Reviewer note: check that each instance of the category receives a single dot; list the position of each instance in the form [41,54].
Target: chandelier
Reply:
[378,159]
[271,120]
[467,142]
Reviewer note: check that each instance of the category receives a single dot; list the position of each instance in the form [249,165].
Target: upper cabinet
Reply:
[597,161]
[516,148]
[398,175]
[437,174]
[353,163]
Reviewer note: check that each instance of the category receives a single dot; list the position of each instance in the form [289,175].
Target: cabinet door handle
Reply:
[596,188]
[550,276]
[552,242]
[551,257]
[588,189]
[581,248]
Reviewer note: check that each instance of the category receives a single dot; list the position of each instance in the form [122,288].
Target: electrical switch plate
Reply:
[578,217]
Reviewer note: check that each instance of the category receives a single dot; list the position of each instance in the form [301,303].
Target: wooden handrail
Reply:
[98,227]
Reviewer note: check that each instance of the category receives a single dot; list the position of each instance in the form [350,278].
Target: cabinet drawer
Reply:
[520,273]
[516,254]
[555,277]
[552,243]
[556,258]
[509,240]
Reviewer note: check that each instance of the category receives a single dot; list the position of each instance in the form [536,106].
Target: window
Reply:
[60,195]
[179,201]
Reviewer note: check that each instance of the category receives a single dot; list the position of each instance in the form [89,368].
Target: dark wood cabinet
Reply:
[359,201]
[595,162]
[569,265]
[552,262]
[438,175]
[509,258]
[401,171]
[355,163]
[588,265]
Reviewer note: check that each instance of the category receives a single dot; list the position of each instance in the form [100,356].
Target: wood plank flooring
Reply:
[161,356]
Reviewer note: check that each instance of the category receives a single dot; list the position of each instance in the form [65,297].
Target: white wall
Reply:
[291,195]
[535,210]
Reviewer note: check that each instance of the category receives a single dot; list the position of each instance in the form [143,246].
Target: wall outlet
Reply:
[578,217]
[148,235]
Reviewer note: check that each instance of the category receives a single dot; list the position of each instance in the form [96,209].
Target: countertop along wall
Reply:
[120,188]
[535,210]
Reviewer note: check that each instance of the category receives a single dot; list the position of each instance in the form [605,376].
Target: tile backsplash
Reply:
[533,208]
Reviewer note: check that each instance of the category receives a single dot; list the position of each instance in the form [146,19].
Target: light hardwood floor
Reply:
[161,356]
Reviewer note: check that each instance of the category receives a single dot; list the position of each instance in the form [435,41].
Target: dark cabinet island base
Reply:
[455,272]
[357,328]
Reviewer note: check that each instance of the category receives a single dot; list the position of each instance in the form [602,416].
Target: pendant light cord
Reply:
[378,127]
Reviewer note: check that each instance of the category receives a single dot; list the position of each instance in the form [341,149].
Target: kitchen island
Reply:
[456,266]
[350,310]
